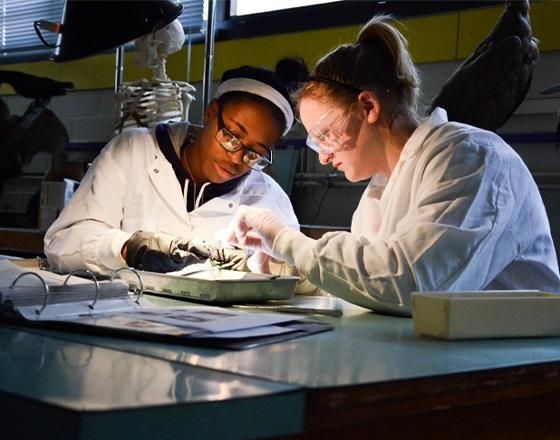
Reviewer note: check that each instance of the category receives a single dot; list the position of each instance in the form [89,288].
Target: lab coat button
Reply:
[231,205]
[156,170]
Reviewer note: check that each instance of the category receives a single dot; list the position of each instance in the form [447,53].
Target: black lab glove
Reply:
[160,252]
[229,258]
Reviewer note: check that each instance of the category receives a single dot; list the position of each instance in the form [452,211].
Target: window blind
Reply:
[16,23]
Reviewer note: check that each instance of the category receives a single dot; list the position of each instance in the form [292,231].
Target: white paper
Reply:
[10,271]
[210,319]
[199,321]
[269,330]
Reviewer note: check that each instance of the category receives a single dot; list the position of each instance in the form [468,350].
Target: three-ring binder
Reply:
[139,291]
[66,288]
[87,272]
[117,308]
[45,286]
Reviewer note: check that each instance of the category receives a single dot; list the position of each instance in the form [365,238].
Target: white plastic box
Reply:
[486,314]
[54,197]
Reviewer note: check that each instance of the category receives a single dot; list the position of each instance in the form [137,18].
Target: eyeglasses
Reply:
[329,133]
[229,142]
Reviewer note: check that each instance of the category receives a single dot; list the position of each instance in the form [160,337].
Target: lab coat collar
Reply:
[167,186]
[415,142]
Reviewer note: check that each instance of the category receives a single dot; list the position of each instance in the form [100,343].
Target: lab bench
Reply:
[370,377]
[23,241]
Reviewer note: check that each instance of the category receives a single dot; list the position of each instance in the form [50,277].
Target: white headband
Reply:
[259,88]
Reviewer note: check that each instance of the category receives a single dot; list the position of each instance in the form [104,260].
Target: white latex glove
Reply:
[259,262]
[254,228]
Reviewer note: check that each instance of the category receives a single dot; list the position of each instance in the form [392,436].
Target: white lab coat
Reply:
[460,211]
[131,186]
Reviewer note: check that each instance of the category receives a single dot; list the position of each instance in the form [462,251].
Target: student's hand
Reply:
[161,252]
[259,262]
[254,228]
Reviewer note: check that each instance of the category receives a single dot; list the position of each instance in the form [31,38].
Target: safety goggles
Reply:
[229,142]
[329,134]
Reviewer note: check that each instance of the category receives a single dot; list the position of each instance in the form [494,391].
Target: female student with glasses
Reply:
[156,199]
[448,207]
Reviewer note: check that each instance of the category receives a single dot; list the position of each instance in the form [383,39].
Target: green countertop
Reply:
[363,348]
[70,389]
[84,386]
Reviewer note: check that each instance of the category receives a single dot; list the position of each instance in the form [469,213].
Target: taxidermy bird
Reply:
[488,86]
[34,87]
[37,130]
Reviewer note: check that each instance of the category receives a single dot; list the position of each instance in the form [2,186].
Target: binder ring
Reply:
[21,275]
[141,291]
[97,291]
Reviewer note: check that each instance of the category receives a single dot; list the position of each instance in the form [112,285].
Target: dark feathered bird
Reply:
[34,87]
[487,87]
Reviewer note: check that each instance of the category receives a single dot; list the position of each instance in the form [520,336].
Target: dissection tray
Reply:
[215,285]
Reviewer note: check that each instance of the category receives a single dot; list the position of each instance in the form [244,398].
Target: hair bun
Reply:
[292,71]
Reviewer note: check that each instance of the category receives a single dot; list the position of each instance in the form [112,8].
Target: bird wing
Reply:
[487,91]
[493,81]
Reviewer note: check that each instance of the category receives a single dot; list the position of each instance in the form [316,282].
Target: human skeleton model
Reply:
[146,103]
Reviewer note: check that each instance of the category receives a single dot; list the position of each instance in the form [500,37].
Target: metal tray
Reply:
[215,285]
